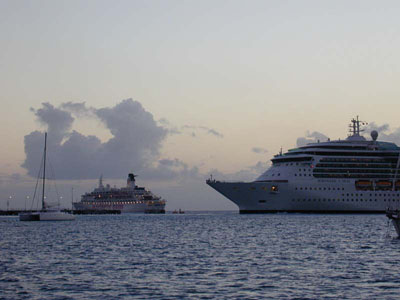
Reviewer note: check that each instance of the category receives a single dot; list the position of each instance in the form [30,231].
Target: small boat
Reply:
[46,213]
[364,185]
[383,185]
[394,215]
[178,211]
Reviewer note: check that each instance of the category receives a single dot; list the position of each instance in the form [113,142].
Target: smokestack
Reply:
[130,182]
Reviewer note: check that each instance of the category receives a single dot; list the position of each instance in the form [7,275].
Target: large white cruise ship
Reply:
[354,175]
[132,199]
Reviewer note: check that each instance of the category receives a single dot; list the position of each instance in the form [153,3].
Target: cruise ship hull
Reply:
[259,197]
[124,208]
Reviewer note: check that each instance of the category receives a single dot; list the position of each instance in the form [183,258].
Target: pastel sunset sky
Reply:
[178,90]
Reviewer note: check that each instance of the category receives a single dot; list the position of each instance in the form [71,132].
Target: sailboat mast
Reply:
[44,168]
[72,198]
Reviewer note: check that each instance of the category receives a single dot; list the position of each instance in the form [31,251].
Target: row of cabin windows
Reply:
[273,188]
[338,189]
[371,195]
[291,164]
[348,175]
[350,165]
[111,203]
[319,188]
[367,160]
[286,164]
[351,171]
[347,200]
[376,154]
[300,170]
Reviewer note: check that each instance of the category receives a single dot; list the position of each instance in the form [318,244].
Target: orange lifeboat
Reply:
[383,184]
[364,185]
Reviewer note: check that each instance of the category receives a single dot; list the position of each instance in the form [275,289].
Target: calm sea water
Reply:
[201,256]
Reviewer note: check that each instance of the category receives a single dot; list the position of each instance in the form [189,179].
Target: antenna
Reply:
[355,127]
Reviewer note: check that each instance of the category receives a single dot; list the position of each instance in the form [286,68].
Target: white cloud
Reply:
[134,146]
[259,150]
[385,133]
[313,137]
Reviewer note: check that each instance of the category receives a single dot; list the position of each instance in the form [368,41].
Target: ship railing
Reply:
[222,181]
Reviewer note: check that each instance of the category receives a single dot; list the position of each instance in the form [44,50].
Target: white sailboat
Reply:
[45,214]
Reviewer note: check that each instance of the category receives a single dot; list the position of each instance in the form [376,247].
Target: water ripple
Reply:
[201,256]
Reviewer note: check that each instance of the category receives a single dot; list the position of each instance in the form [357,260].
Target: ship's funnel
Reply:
[101,181]
[130,182]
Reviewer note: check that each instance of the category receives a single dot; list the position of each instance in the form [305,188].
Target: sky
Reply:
[178,90]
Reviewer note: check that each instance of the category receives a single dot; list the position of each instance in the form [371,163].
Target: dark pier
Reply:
[16,212]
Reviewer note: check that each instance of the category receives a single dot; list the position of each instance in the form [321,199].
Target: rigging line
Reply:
[36,186]
[54,181]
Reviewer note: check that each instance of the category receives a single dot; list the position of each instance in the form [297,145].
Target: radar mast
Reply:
[355,127]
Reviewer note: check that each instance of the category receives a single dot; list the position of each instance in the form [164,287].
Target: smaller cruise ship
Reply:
[129,199]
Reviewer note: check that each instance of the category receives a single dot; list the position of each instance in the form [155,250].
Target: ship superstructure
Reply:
[132,198]
[354,175]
